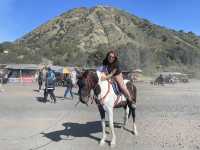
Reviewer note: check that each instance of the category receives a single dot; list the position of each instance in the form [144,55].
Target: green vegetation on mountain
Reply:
[82,36]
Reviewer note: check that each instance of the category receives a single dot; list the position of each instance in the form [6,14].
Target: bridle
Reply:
[92,85]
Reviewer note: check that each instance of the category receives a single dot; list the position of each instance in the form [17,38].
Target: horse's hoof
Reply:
[112,144]
[102,142]
[123,127]
[135,133]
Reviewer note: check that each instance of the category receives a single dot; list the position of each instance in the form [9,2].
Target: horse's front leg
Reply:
[102,142]
[110,115]
[102,114]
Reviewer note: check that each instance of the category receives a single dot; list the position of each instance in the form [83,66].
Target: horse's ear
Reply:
[84,75]
[95,76]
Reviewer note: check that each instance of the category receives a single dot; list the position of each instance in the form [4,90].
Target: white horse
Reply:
[107,100]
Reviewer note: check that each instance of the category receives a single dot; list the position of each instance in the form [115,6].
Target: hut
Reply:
[21,73]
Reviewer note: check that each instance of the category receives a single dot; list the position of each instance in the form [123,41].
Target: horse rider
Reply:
[111,63]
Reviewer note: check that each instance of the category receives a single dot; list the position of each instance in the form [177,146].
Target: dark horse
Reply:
[91,87]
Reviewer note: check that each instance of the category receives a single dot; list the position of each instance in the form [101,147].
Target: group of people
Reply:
[113,70]
[49,79]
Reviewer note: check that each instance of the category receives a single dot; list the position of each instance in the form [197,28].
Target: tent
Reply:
[24,73]
[64,70]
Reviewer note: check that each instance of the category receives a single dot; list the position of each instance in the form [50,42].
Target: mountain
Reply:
[82,36]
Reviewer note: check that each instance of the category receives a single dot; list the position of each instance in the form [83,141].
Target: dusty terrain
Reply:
[168,118]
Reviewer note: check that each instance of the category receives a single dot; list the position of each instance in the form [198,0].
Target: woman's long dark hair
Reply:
[107,63]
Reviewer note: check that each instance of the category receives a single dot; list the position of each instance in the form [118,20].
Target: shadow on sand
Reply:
[73,130]
[36,90]
[40,99]
[60,97]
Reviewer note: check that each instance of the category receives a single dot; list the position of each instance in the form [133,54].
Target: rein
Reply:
[92,85]
[103,98]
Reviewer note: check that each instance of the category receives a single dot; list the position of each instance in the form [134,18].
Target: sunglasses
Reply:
[111,56]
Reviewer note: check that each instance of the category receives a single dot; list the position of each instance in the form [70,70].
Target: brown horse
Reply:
[91,87]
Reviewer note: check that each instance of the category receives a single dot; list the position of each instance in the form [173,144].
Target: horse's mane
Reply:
[90,75]
[85,74]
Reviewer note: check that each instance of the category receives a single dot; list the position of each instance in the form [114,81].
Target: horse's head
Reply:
[87,82]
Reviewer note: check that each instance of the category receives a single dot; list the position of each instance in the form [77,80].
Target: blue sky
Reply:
[18,17]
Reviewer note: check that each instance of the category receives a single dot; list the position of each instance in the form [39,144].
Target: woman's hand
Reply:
[103,77]
[106,77]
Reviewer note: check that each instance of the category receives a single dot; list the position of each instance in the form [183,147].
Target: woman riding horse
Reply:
[112,65]
[97,86]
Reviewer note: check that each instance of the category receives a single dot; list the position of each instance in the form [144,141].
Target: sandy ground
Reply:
[168,118]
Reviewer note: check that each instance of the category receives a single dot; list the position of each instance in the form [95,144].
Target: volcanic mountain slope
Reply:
[82,36]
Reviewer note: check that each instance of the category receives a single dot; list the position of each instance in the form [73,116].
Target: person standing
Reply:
[69,85]
[1,81]
[50,85]
[73,77]
[40,79]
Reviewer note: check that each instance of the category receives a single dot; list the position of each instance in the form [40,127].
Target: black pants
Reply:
[40,84]
[52,95]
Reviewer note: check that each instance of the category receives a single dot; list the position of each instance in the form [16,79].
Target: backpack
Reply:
[50,80]
[68,82]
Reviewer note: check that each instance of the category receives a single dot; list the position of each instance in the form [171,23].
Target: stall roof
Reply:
[172,73]
[56,68]
[34,67]
[61,69]
[23,66]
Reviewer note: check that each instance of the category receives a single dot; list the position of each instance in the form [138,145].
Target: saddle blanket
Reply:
[116,88]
